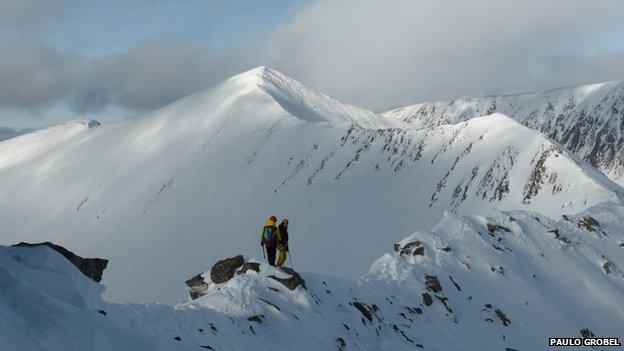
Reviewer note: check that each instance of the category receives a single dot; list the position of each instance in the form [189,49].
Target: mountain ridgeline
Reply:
[166,194]
[588,120]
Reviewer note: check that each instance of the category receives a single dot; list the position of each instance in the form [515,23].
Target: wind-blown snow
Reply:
[172,192]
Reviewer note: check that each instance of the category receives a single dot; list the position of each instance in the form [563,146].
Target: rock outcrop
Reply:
[226,269]
[90,267]
[291,283]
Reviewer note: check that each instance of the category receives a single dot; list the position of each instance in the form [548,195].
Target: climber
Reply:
[269,237]
[282,244]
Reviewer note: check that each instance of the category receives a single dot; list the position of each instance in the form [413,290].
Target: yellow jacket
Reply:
[271,223]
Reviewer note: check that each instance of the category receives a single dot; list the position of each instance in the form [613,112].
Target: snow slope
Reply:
[589,120]
[502,281]
[169,193]
[47,304]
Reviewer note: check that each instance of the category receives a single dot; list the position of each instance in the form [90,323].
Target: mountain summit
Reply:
[171,192]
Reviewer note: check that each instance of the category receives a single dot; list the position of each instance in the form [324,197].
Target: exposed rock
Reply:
[224,270]
[502,317]
[257,319]
[433,283]
[90,267]
[271,304]
[455,283]
[93,123]
[254,266]
[397,247]
[493,228]
[443,301]
[291,283]
[177,338]
[589,223]
[608,267]
[362,308]
[340,343]
[102,312]
[197,286]
[208,347]
[413,248]
[427,299]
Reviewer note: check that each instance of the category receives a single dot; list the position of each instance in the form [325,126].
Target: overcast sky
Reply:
[113,60]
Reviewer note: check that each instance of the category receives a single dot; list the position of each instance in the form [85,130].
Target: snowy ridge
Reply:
[169,193]
[507,280]
[589,120]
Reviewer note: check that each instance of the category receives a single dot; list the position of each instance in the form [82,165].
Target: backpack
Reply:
[268,236]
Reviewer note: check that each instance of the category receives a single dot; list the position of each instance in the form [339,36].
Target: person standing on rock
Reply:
[282,244]
[269,237]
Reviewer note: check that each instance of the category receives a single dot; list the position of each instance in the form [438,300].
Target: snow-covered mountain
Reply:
[172,192]
[589,120]
[503,281]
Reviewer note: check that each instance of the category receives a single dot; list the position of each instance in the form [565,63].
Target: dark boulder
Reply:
[224,270]
[196,286]
[589,223]
[413,248]
[291,283]
[427,299]
[254,266]
[433,283]
[90,267]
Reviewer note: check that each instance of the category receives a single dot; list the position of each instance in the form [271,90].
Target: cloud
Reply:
[381,54]
[8,133]
[378,54]
[150,75]
[34,75]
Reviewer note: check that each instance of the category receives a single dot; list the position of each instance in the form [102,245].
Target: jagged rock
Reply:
[93,123]
[397,247]
[493,228]
[413,248]
[102,312]
[427,299]
[502,317]
[433,283]
[589,223]
[208,347]
[177,338]
[271,304]
[363,309]
[90,267]
[291,283]
[608,267]
[257,319]
[340,343]
[254,266]
[224,270]
[197,286]
[443,301]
